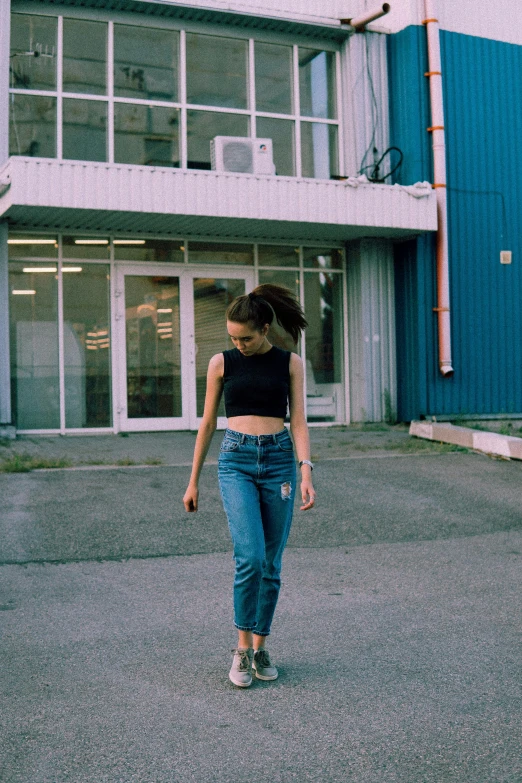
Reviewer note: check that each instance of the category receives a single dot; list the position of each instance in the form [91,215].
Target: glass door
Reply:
[169,322]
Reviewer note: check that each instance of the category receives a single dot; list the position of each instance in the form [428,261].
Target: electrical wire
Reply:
[374,175]
[371,145]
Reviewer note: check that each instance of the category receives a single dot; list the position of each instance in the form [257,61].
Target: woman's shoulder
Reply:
[216,364]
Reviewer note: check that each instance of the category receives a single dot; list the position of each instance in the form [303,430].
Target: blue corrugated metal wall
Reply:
[483,119]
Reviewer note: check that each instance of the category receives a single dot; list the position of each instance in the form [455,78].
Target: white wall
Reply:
[501,20]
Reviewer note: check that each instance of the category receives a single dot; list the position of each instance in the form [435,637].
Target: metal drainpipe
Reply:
[439,183]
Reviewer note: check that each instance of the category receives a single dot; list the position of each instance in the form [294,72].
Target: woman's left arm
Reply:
[299,429]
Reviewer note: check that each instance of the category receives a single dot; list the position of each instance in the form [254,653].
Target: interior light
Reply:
[92,347]
[91,241]
[164,310]
[100,334]
[31,241]
[38,269]
[129,241]
[165,329]
[28,292]
[71,268]
[165,336]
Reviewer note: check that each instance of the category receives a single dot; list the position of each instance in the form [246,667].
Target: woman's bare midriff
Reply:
[256,425]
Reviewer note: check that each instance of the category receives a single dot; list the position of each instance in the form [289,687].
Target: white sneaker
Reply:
[241,672]
[263,667]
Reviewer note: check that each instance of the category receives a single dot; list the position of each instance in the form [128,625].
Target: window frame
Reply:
[251,112]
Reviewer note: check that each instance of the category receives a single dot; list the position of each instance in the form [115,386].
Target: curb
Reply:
[506,446]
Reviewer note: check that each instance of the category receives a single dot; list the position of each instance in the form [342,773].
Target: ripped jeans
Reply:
[257,476]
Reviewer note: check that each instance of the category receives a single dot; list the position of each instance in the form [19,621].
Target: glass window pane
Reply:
[84,57]
[148,250]
[32,246]
[273,65]
[86,247]
[33,314]
[86,343]
[145,63]
[323,258]
[317,83]
[276,334]
[146,135]
[32,126]
[32,64]
[153,347]
[277,255]
[202,126]
[282,134]
[84,130]
[217,71]
[220,253]
[319,150]
[211,299]
[324,346]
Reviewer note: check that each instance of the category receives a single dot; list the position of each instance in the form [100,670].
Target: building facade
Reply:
[159,158]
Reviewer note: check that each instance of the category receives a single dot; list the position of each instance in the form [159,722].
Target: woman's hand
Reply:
[307,493]
[190,498]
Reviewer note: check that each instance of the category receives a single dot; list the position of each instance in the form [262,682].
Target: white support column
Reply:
[5,369]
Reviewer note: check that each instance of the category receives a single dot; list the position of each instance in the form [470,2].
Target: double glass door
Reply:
[169,322]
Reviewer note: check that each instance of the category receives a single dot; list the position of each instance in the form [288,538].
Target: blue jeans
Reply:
[257,476]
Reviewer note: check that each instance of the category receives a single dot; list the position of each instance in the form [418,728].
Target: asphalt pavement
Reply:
[397,635]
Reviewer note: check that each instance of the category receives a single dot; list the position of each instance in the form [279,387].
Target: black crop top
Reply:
[257,385]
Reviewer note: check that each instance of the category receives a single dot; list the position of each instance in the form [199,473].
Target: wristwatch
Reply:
[306,462]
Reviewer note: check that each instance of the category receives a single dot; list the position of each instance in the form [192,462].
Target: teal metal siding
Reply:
[483,119]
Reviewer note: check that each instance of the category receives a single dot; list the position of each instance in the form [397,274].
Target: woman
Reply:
[256,469]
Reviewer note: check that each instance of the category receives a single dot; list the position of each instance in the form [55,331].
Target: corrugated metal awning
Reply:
[110,197]
[313,28]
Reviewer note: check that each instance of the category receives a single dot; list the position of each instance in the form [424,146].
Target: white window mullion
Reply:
[110,92]
[297,112]
[252,88]
[59,91]
[340,128]
[183,97]
[61,356]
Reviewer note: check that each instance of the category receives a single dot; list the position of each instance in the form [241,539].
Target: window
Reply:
[169,94]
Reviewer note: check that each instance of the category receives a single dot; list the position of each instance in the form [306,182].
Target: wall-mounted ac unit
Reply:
[238,154]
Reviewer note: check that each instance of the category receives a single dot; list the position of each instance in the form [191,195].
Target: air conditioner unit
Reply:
[238,154]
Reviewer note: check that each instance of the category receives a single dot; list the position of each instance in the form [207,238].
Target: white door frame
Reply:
[186,274]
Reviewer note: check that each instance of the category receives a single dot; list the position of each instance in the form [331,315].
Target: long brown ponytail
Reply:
[263,303]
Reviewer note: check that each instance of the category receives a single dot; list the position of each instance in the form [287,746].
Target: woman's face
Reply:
[246,337]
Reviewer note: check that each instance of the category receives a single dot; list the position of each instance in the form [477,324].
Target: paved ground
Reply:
[397,633]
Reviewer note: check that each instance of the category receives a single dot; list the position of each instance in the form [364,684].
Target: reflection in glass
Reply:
[32,246]
[145,62]
[273,65]
[84,56]
[211,299]
[323,258]
[33,315]
[32,64]
[282,134]
[317,83]
[278,255]
[216,71]
[86,247]
[153,347]
[148,250]
[86,342]
[146,135]
[324,345]
[32,126]
[220,253]
[202,126]
[281,277]
[84,130]
[319,150]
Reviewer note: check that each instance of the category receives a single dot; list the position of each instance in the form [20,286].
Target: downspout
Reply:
[439,183]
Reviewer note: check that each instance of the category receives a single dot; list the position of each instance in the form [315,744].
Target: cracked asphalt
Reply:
[397,634]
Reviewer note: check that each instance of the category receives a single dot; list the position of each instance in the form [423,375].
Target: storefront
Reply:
[116,333]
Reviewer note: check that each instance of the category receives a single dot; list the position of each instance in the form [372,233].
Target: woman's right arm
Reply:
[207,428]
